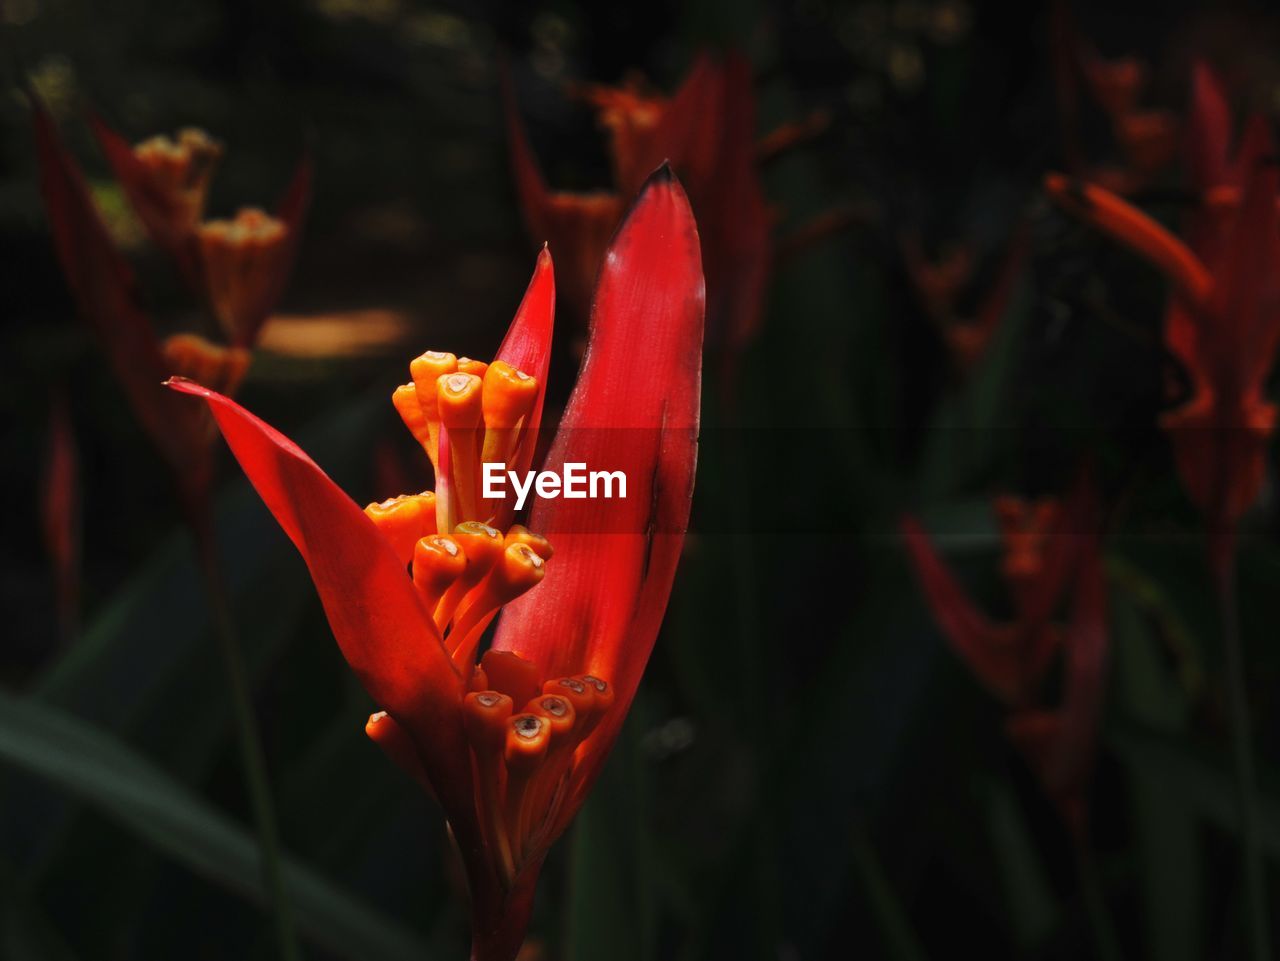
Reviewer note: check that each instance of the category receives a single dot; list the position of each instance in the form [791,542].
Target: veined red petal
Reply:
[1245,306]
[527,345]
[1208,130]
[635,408]
[102,285]
[381,626]
[690,133]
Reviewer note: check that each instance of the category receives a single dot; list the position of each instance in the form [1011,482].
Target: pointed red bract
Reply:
[1208,140]
[379,621]
[1051,553]
[527,347]
[635,408]
[60,512]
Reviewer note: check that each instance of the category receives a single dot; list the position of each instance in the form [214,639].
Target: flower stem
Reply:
[252,757]
[1242,747]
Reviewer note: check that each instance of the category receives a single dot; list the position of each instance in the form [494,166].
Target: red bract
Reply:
[1146,138]
[510,747]
[1051,555]
[940,285]
[707,131]
[242,266]
[1223,319]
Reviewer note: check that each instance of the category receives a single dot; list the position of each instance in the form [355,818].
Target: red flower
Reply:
[512,746]
[1051,553]
[166,183]
[1223,318]
[707,131]
[940,285]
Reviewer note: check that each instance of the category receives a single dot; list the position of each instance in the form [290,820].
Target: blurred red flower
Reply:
[1223,319]
[240,267]
[707,131]
[1051,557]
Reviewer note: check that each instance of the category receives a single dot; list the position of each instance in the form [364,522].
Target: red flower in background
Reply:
[241,267]
[1051,557]
[942,283]
[1223,318]
[707,131]
[511,747]
[1146,138]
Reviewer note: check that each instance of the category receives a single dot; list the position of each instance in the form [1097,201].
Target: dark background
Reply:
[808,772]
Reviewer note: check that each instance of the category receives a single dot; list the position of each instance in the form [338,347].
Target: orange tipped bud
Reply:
[438,562]
[483,546]
[509,395]
[581,695]
[244,260]
[425,370]
[528,737]
[459,400]
[603,700]
[405,400]
[519,534]
[485,716]
[403,520]
[179,170]
[518,570]
[396,744]
[476,368]
[557,711]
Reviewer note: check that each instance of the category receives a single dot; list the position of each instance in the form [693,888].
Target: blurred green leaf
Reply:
[164,814]
[1033,909]
[146,666]
[1196,776]
[896,933]
[611,916]
[1164,824]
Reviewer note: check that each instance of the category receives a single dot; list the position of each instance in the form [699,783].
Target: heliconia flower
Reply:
[707,131]
[510,747]
[941,283]
[103,288]
[167,184]
[1051,557]
[1222,324]
[1146,137]
[241,264]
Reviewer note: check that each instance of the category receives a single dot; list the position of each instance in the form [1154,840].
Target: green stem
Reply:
[252,757]
[1242,747]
